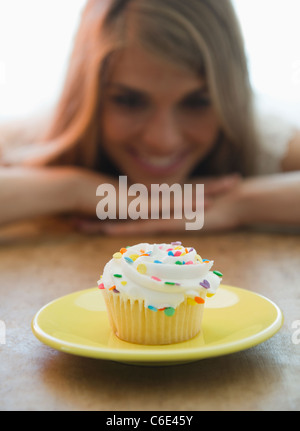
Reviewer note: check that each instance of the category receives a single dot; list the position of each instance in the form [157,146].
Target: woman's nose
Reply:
[161,134]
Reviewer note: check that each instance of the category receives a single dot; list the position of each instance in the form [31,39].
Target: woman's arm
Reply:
[27,192]
[270,200]
[31,192]
[273,199]
[276,198]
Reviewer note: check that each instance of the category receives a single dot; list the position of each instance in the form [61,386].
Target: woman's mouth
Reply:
[159,164]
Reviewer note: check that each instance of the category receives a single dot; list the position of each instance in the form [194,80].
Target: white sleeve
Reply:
[275,132]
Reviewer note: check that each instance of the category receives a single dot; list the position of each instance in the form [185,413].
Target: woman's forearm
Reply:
[270,200]
[26,193]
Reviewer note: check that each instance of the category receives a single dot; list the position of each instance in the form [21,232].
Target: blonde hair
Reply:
[202,35]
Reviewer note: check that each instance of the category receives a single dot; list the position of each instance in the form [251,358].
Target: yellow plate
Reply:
[234,319]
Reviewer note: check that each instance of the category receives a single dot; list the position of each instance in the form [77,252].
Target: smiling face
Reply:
[157,119]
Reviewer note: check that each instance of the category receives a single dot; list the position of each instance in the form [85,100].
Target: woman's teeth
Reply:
[160,162]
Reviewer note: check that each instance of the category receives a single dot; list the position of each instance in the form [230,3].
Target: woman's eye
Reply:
[128,101]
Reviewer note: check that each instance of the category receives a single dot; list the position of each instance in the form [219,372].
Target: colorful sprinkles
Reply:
[155,278]
[141,268]
[117,255]
[128,259]
[169,311]
[205,284]
[181,257]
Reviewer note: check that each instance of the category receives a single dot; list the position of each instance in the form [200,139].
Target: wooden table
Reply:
[43,260]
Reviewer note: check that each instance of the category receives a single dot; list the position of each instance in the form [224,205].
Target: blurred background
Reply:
[36,39]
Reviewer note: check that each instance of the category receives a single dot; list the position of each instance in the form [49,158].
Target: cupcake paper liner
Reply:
[133,322]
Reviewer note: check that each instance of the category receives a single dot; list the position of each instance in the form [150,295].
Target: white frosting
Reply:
[144,269]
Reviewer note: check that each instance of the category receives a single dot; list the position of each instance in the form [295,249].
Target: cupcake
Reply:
[155,293]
